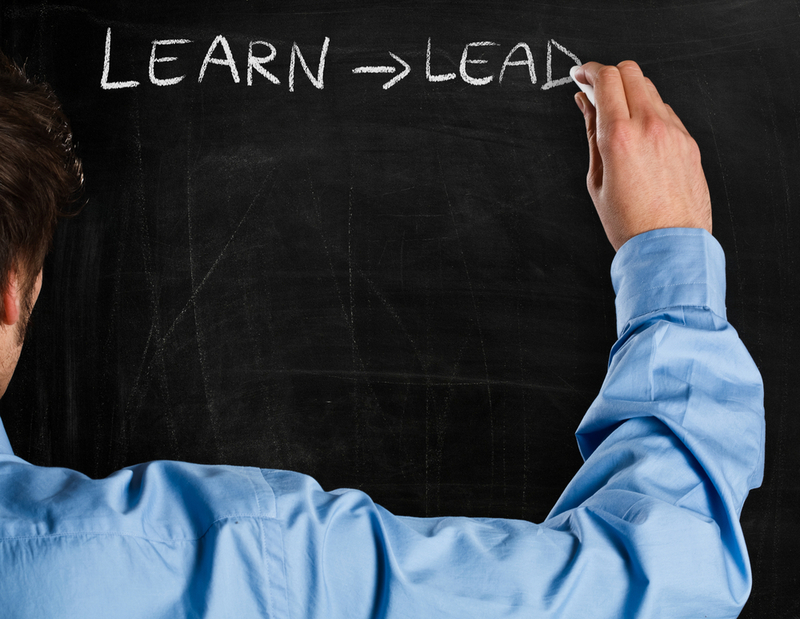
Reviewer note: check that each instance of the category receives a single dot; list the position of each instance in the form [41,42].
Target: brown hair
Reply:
[40,175]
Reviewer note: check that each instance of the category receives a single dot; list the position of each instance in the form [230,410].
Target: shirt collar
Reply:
[5,446]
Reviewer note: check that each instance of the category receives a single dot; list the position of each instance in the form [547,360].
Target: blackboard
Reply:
[328,237]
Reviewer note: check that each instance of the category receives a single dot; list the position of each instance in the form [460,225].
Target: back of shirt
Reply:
[163,539]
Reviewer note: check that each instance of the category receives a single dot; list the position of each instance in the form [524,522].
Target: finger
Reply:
[609,92]
[637,93]
[664,110]
[675,118]
[595,176]
[655,98]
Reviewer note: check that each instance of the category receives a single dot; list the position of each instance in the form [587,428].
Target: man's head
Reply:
[39,177]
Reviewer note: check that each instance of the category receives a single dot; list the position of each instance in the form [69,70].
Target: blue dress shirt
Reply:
[649,526]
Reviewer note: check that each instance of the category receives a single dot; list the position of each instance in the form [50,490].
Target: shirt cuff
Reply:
[669,267]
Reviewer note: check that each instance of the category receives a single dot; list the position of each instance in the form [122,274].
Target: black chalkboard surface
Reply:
[355,241]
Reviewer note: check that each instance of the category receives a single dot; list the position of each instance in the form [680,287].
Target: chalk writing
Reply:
[154,59]
[442,77]
[462,69]
[219,53]
[527,62]
[318,81]
[257,62]
[226,62]
[107,69]
[387,69]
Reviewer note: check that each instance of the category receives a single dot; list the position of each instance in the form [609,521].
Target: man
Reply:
[649,527]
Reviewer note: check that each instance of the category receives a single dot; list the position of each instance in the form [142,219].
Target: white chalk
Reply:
[584,87]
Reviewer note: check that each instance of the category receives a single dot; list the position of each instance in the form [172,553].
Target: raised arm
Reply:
[674,441]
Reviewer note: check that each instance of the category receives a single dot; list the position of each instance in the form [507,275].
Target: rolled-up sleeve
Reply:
[649,526]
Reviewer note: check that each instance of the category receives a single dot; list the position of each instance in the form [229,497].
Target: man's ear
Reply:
[11,300]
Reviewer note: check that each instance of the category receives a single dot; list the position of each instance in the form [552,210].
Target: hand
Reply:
[644,167]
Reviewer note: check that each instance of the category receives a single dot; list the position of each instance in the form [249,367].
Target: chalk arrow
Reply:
[386,69]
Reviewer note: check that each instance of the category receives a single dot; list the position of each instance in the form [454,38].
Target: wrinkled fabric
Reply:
[649,526]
